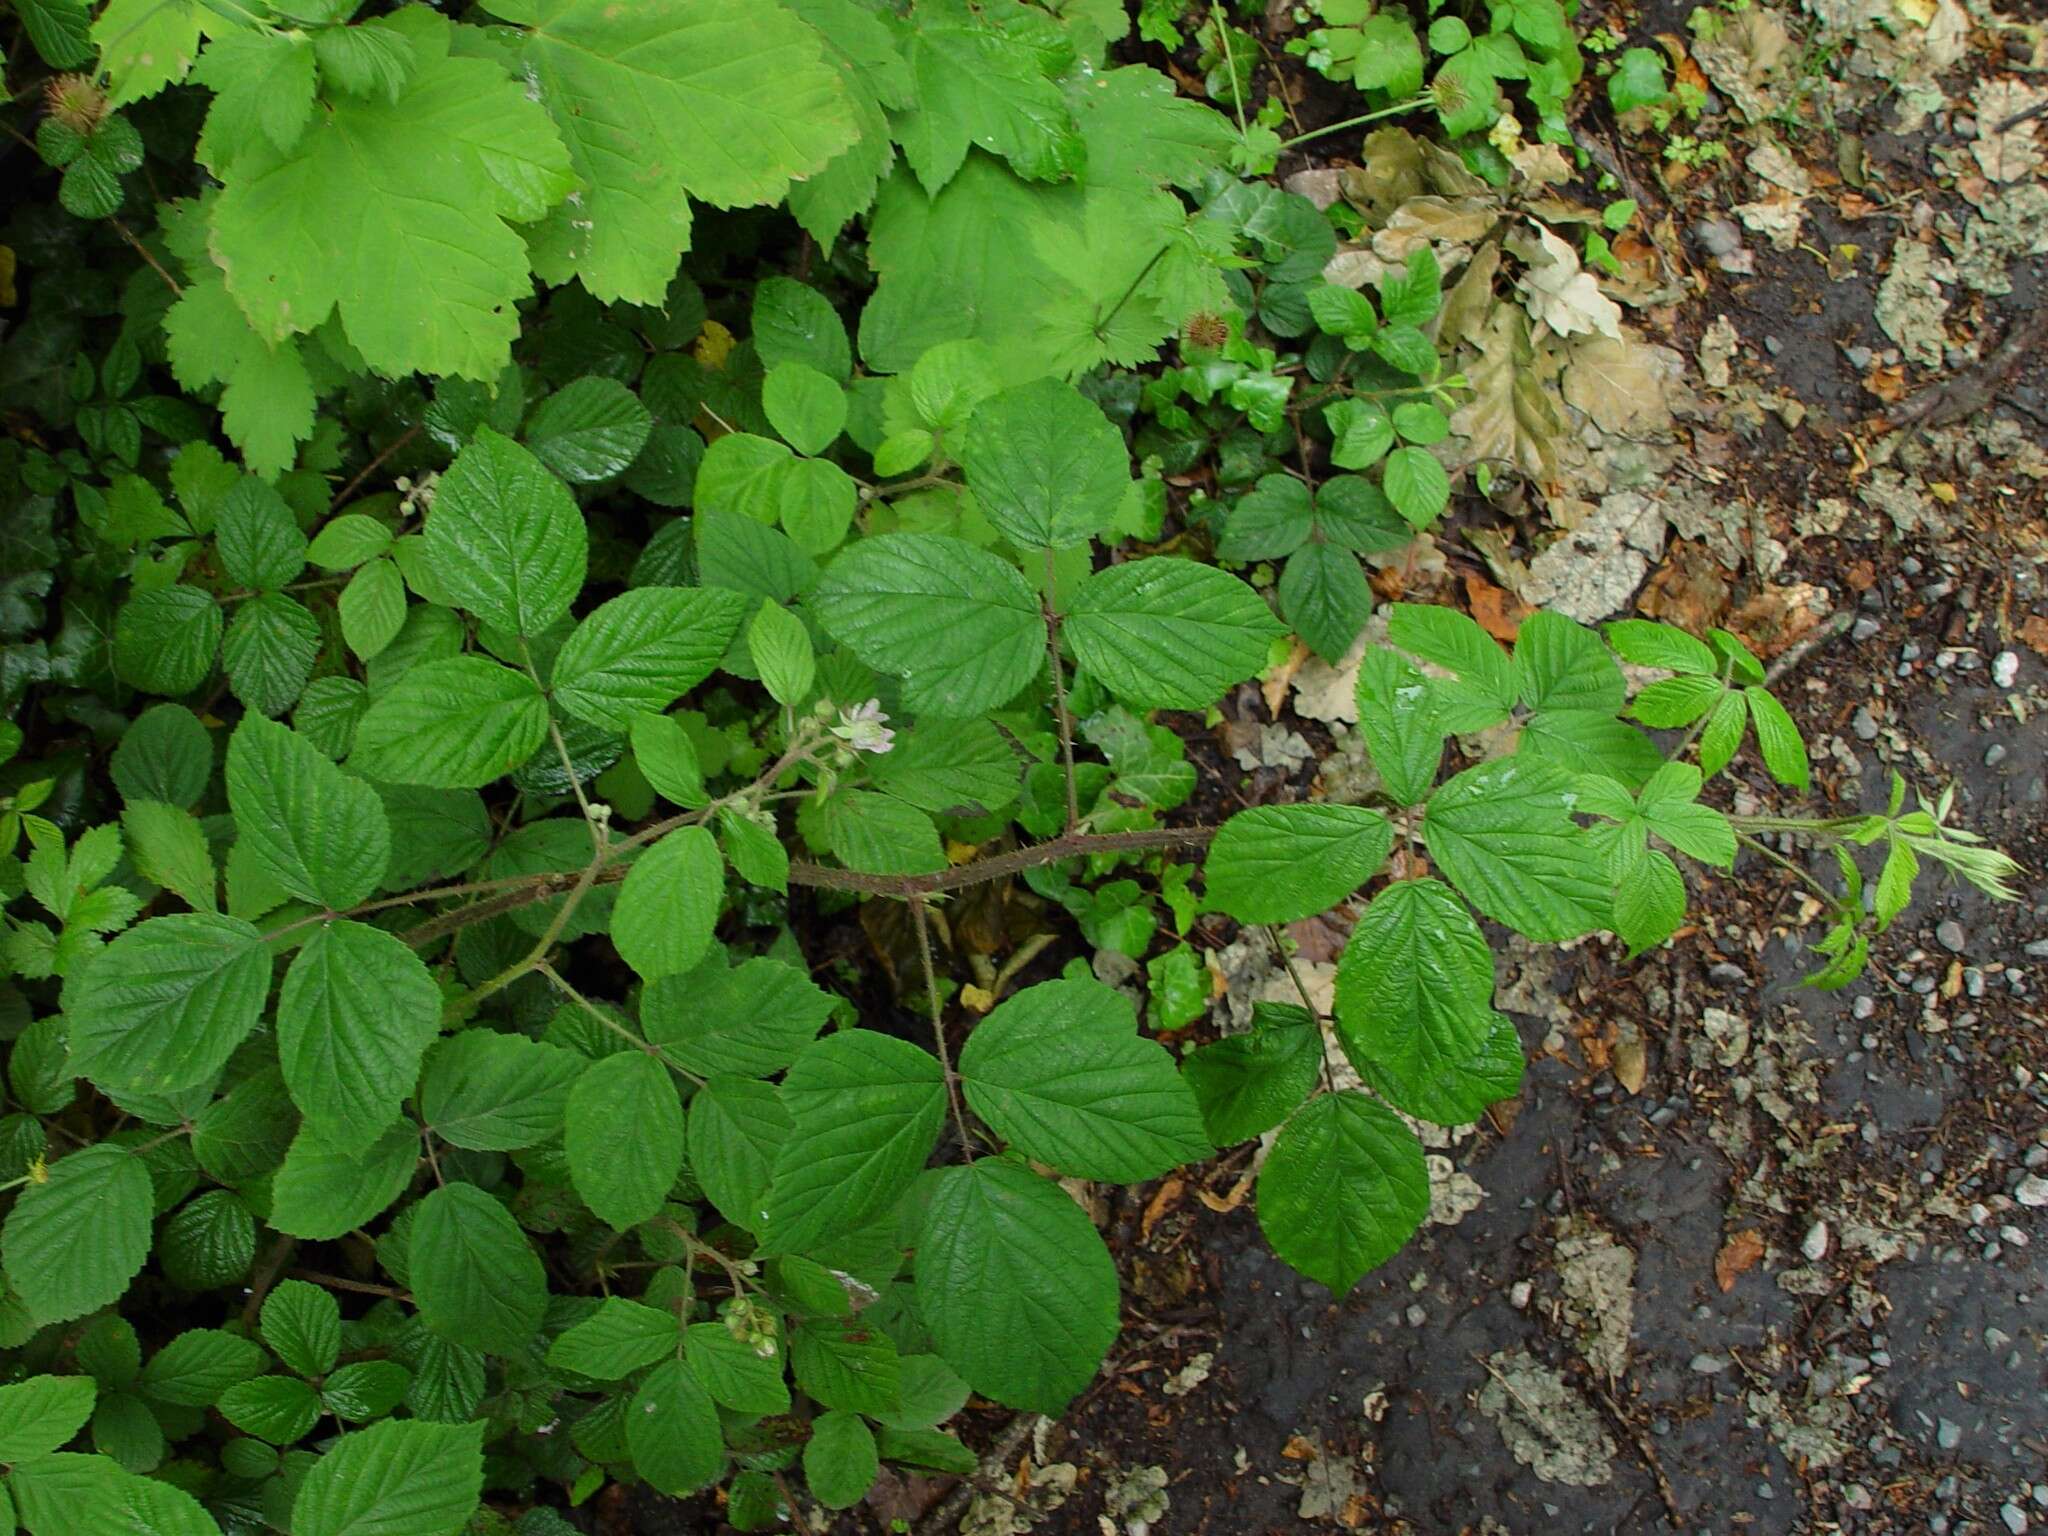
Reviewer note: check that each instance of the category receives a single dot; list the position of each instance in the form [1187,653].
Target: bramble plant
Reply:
[443,645]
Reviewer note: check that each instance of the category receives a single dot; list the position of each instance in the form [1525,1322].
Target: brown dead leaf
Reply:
[1779,617]
[1887,383]
[2034,632]
[1687,590]
[1273,686]
[1631,1064]
[1166,1198]
[1317,940]
[1300,1448]
[1499,612]
[1737,1257]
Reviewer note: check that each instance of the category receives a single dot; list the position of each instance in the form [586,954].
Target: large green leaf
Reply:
[669,904]
[736,1128]
[357,1010]
[1277,863]
[1325,596]
[750,1020]
[1483,690]
[1503,834]
[865,1110]
[403,1477]
[495,1092]
[663,98]
[163,1006]
[624,1136]
[672,1428]
[321,834]
[505,537]
[1342,1189]
[643,650]
[452,724]
[38,1415]
[74,1241]
[1561,665]
[1015,1284]
[1247,1084]
[1045,465]
[1169,633]
[961,627]
[394,212]
[978,83]
[476,1277]
[323,1189]
[1061,1073]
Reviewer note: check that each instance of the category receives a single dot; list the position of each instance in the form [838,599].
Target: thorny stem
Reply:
[1222,23]
[922,924]
[1059,697]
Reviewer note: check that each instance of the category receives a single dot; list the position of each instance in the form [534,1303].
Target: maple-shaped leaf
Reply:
[398,214]
[980,83]
[658,99]
[263,85]
[877,82]
[267,404]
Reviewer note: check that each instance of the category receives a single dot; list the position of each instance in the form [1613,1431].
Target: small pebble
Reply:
[1948,1434]
[2014,1517]
[2032,1191]
[1815,1244]
[1417,1316]
[1994,754]
[1519,1294]
[1950,933]
[1864,628]
[2037,949]
[1864,724]
[1708,1365]
[2005,668]
[1863,1007]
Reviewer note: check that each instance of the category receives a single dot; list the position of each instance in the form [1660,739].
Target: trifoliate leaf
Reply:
[302,1327]
[1560,665]
[165,641]
[1015,1284]
[1168,633]
[269,651]
[1342,1189]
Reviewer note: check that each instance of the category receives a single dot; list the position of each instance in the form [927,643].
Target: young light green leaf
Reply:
[1168,633]
[1061,1073]
[1671,702]
[1277,863]
[168,847]
[781,650]
[1777,739]
[669,904]
[476,1278]
[1723,732]
[1413,478]
[1342,1189]
[1560,665]
[804,406]
[1650,644]
[372,608]
[1649,900]
[624,1179]
[357,1010]
[643,650]
[316,831]
[1046,466]
[1015,1284]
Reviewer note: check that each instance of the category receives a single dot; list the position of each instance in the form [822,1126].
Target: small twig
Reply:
[994,1465]
[144,252]
[1059,697]
[1649,1454]
[1833,629]
[920,921]
[341,497]
[360,1287]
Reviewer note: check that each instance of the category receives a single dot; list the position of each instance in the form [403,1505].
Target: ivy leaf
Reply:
[1169,633]
[865,1111]
[476,1277]
[453,724]
[1247,1084]
[961,627]
[616,1340]
[318,832]
[624,1181]
[495,1092]
[1502,833]
[1342,1189]
[163,1006]
[357,1010]
[1015,1284]
[1398,716]
[1277,863]
[1046,466]
[397,213]
[1061,1073]
[669,904]
[73,1242]
[505,537]
[643,650]
[728,107]
[402,1475]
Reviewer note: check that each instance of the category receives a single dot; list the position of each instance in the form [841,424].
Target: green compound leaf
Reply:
[476,1277]
[1398,715]
[403,1477]
[495,1092]
[1015,1284]
[616,1340]
[960,627]
[669,904]
[453,724]
[318,832]
[162,1007]
[865,1111]
[624,1178]
[1503,834]
[1046,466]
[672,1429]
[1649,899]
[1061,1073]
[1247,1084]
[73,1242]
[1342,1189]
[505,537]
[643,650]
[664,98]
[1277,863]
[1483,691]
[357,1010]
[1650,644]
[1168,633]
[394,213]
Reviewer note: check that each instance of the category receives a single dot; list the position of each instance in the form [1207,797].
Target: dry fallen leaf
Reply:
[1737,1257]
[1631,1063]
[2034,632]
[1499,612]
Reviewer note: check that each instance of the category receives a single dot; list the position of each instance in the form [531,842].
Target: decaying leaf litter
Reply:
[1742,1255]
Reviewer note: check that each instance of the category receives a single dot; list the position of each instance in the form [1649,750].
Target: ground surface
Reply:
[1743,1256]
